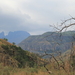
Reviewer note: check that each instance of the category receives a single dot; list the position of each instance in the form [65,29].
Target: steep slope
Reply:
[5,58]
[49,42]
[11,55]
[16,36]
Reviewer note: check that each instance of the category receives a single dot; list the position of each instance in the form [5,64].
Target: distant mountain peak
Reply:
[2,35]
[16,36]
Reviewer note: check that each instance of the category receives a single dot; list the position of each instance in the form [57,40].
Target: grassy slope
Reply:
[12,55]
[7,69]
[5,58]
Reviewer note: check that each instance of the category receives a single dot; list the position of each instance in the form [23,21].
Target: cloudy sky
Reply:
[34,16]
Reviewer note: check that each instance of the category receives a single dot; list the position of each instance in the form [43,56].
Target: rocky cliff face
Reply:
[49,42]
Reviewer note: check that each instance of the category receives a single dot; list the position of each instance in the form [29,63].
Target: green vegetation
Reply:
[24,58]
[5,39]
[13,43]
[21,57]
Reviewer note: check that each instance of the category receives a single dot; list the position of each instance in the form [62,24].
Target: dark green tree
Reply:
[5,39]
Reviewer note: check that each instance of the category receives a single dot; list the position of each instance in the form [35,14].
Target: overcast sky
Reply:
[34,16]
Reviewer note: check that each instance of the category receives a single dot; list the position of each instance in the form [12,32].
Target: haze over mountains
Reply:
[49,42]
[16,36]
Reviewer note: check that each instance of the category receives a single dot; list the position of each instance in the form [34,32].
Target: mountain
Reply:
[16,36]
[49,41]
[2,35]
[11,55]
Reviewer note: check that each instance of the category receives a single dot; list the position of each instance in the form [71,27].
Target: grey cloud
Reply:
[13,22]
[50,10]
[35,16]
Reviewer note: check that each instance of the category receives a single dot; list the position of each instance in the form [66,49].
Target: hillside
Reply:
[49,42]
[11,55]
[16,36]
[15,61]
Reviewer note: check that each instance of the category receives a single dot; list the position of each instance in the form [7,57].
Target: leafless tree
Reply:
[64,26]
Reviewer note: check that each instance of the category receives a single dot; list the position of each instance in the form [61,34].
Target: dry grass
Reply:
[40,72]
[2,41]
[31,71]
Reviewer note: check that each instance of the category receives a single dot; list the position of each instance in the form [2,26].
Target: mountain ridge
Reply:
[47,41]
[16,36]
